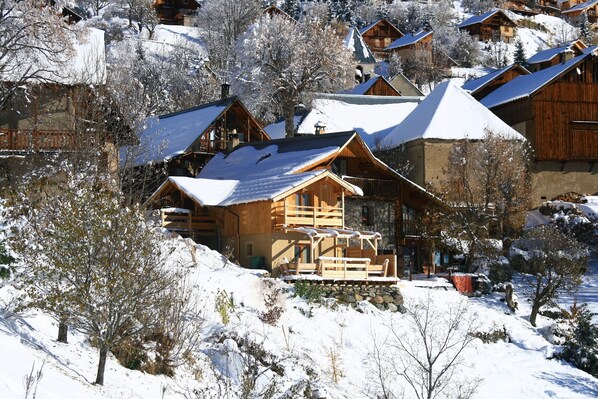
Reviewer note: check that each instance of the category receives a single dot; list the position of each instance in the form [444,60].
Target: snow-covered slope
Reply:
[304,340]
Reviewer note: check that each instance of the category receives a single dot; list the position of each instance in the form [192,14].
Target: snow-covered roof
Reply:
[216,192]
[408,40]
[167,136]
[354,42]
[478,19]
[526,85]
[548,54]
[449,113]
[476,84]
[371,116]
[581,6]
[86,64]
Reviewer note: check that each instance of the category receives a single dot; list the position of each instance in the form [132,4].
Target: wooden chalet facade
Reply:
[376,86]
[412,43]
[185,141]
[175,12]
[379,35]
[589,8]
[491,26]
[556,109]
[554,56]
[482,86]
[289,206]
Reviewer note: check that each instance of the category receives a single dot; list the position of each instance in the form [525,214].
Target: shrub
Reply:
[224,306]
[306,290]
[499,334]
[581,348]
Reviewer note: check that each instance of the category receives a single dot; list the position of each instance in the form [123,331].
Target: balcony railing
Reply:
[376,187]
[36,140]
[186,221]
[308,216]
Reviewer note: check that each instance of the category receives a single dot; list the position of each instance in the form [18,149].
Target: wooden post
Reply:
[315,216]
[343,207]
[285,213]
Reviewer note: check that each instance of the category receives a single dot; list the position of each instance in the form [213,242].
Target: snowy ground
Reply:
[304,338]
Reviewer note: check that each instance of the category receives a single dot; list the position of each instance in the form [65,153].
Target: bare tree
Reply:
[96,264]
[222,22]
[553,263]
[427,352]
[281,63]
[34,43]
[487,185]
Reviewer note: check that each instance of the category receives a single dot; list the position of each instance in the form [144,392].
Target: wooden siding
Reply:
[382,88]
[381,36]
[496,83]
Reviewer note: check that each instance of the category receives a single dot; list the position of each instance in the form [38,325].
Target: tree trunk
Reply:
[63,330]
[102,364]
[535,310]
[289,120]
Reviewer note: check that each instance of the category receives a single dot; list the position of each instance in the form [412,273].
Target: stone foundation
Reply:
[381,296]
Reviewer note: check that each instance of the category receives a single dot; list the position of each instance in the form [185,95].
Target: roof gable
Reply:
[549,54]
[354,42]
[581,7]
[363,88]
[382,21]
[408,40]
[478,19]
[168,136]
[448,113]
[474,85]
[526,85]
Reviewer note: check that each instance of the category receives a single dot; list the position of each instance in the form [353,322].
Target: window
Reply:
[409,221]
[339,167]
[249,248]
[303,199]
[302,254]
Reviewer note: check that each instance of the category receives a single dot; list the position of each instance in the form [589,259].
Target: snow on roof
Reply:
[476,19]
[261,160]
[204,191]
[168,37]
[354,42]
[525,85]
[167,136]
[448,113]
[368,27]
[362,88]
[370,116]
[476,84]
[548,54]
[408,40]
[85,65]
[581,6]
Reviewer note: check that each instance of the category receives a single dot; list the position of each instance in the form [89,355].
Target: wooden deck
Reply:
[36,140]
[339,268]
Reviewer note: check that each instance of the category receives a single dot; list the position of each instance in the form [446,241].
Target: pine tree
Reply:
[519,54]
[581,349]
[585,32]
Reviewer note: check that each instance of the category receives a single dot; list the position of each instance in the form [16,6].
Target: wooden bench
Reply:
[297,268]
[343,268]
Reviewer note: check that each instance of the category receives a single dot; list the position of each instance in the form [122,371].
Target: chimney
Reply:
[366,76]
[566,55]
[224,91]
[320,128]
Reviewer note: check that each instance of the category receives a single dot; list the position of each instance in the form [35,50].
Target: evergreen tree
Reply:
[585,32]
[519,54]
[581,349]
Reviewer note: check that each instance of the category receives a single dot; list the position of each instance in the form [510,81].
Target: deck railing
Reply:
[183,221]
[36,140]
[309,216]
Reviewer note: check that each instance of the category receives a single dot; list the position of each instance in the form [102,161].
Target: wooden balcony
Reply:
[183,220]
[378,188]
[36,140]
[308,216]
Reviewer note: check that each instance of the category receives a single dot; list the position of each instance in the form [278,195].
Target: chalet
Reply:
[320,203]
[276,11]
[364,58]
[553,56]
[408,45]
[184,141]
[176,12]
[379,35]
[426,136]
[50,112]
[589,8]
[376,86]
[482,86]
[371,116]
[493,25]
[556,109]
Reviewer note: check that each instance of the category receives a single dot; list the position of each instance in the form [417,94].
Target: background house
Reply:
[483,85]
[364,58]
[556,109]
[176,12]
[553,56]
[379,35]
[589,8]
[493,25]
[375,86]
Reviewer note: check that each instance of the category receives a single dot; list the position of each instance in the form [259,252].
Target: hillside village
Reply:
[299,199]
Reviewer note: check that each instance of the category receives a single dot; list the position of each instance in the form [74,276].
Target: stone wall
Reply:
[382,218]
[381,296]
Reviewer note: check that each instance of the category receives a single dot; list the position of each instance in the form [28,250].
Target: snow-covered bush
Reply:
[581,347]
